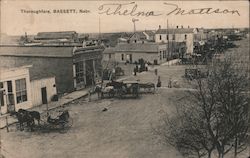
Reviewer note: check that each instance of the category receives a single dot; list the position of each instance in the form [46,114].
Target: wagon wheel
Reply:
[111,93]
[120,93]
[65,125]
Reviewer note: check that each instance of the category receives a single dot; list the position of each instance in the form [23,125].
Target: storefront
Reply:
[14,89]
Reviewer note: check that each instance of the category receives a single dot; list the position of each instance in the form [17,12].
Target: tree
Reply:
[217,121]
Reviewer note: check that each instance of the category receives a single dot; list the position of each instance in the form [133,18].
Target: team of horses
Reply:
[27,117]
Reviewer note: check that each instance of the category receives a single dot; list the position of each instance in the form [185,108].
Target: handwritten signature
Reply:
[131,9]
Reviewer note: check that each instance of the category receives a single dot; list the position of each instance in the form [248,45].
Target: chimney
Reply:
[159,26]
[177,26]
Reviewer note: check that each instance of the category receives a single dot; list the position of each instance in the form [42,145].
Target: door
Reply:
[44,95]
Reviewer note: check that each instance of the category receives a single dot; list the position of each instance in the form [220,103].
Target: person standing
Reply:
[156,72]
[159,82]
[146,66]
[135,71]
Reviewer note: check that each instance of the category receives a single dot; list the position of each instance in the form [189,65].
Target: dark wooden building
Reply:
[73,68]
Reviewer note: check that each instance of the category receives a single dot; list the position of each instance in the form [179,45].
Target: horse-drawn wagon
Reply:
[119,89]
[60,122]
[147,87]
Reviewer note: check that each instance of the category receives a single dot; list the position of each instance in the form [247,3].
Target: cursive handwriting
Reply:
[125,9]
[180,11]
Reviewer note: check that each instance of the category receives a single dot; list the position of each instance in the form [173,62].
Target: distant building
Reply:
[132,52]
[109,54]
[18,91]
[71,66]
[176,35]
[138,37]
[150,35]
[64,35]
[200,35]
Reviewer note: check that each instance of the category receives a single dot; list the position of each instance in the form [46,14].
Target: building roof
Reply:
[149,32]
[138,35]
[137,47]
[37,51]
[55,35]
[88,49]
[175,31]
[109,50]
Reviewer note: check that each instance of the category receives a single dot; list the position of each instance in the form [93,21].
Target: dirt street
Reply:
[125,130]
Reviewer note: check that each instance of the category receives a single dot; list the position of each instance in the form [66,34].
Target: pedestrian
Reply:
[159,82]
[136,68]
[156,72]
[134,71]
[146,66]
[170,83]
[89,96]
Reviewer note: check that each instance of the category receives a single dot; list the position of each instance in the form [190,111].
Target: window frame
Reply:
[21,90]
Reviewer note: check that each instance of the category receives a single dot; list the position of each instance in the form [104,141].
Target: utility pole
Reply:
[99,29]
[168,40]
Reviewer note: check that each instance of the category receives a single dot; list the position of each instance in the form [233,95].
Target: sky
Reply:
[14,22]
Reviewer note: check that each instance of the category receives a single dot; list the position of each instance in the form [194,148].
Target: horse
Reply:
[24,118]
[34,114]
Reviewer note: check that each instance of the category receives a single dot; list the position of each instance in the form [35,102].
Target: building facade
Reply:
[15,92]
[47,61]
[132,52]
[87,67]
[109,54]
[176,35]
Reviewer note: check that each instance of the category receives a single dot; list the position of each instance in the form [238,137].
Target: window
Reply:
[122,57]
[1,85]
[185,36]
[9,85]
[79,72]
[160,37]
[109,56]
[167,37]
[164,54]
[21,90]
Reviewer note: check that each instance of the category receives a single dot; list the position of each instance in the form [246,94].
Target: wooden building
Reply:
[132,52]
[65,63]
[18,91]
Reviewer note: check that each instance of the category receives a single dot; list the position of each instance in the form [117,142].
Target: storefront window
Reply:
[79,72]
[21,91]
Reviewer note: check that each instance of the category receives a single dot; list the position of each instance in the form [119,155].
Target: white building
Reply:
[132,52]
[177,35]
[17,91]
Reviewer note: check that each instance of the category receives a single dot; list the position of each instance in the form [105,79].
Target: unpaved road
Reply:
[125,130]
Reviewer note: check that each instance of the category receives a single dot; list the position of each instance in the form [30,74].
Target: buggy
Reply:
[60,122]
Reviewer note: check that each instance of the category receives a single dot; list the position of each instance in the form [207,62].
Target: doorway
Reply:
[44,95]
